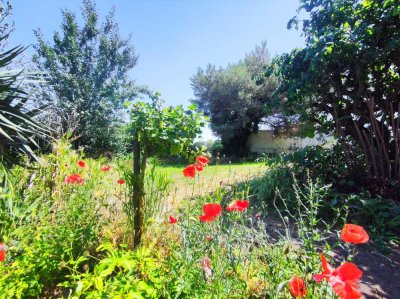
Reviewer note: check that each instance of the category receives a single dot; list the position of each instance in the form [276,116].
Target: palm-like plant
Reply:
[17,127]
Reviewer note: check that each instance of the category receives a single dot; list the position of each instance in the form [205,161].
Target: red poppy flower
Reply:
[121,181]
[210,212]
[207,218]
[238,205]
[106,168]
[344,279]
[3,252]
[172,220]
[297,287]
[202,160]
[74,179]
[352,233]
[190,171]
[199,167]
[81,164]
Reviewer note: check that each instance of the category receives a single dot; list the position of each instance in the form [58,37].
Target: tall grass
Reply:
[48,223]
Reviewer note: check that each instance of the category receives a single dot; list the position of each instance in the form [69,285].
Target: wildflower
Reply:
[207,218]
[297,287]
[205,265]
[172,220]
[344,279]
[190,171]
[202,160]
[121,181]
[258,215]
[210,212]
[74,179]
[199,167]
[238,205]
[3,252]
[106,168]
[352,233]
[209,238]
[81,164]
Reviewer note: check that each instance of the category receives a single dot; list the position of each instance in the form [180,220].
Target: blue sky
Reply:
[175,37]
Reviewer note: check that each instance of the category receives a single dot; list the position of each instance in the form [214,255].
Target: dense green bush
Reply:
[327,165]
[345,196]
[278,177]
[119,273]
[332,165]
[216,148]
[47,222]
[380,216]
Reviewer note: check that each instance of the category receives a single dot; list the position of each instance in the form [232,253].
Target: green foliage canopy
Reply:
[347,78]
[233,99]
[87,68]
[164,131]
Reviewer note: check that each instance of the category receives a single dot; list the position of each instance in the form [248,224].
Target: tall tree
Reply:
[233,99]
[87,69]
[347,78]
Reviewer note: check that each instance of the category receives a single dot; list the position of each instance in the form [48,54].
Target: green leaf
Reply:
[176,148]
[192,107]
[98,282]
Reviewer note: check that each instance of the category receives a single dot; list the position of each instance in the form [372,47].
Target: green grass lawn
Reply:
[224,172]
[209,179]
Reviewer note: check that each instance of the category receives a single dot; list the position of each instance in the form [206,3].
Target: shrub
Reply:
[118,273]
[49,222]
[325,165]
[331,165]
[278,177]
[216,148]
[345,199]
[380,216]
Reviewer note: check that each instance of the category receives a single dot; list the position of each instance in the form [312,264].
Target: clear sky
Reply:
[175,37]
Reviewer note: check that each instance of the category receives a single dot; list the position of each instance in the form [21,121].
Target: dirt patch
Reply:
[381,277]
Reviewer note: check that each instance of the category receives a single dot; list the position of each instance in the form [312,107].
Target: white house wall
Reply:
[265,142]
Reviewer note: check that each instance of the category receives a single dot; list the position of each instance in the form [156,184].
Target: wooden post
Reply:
[136,197]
